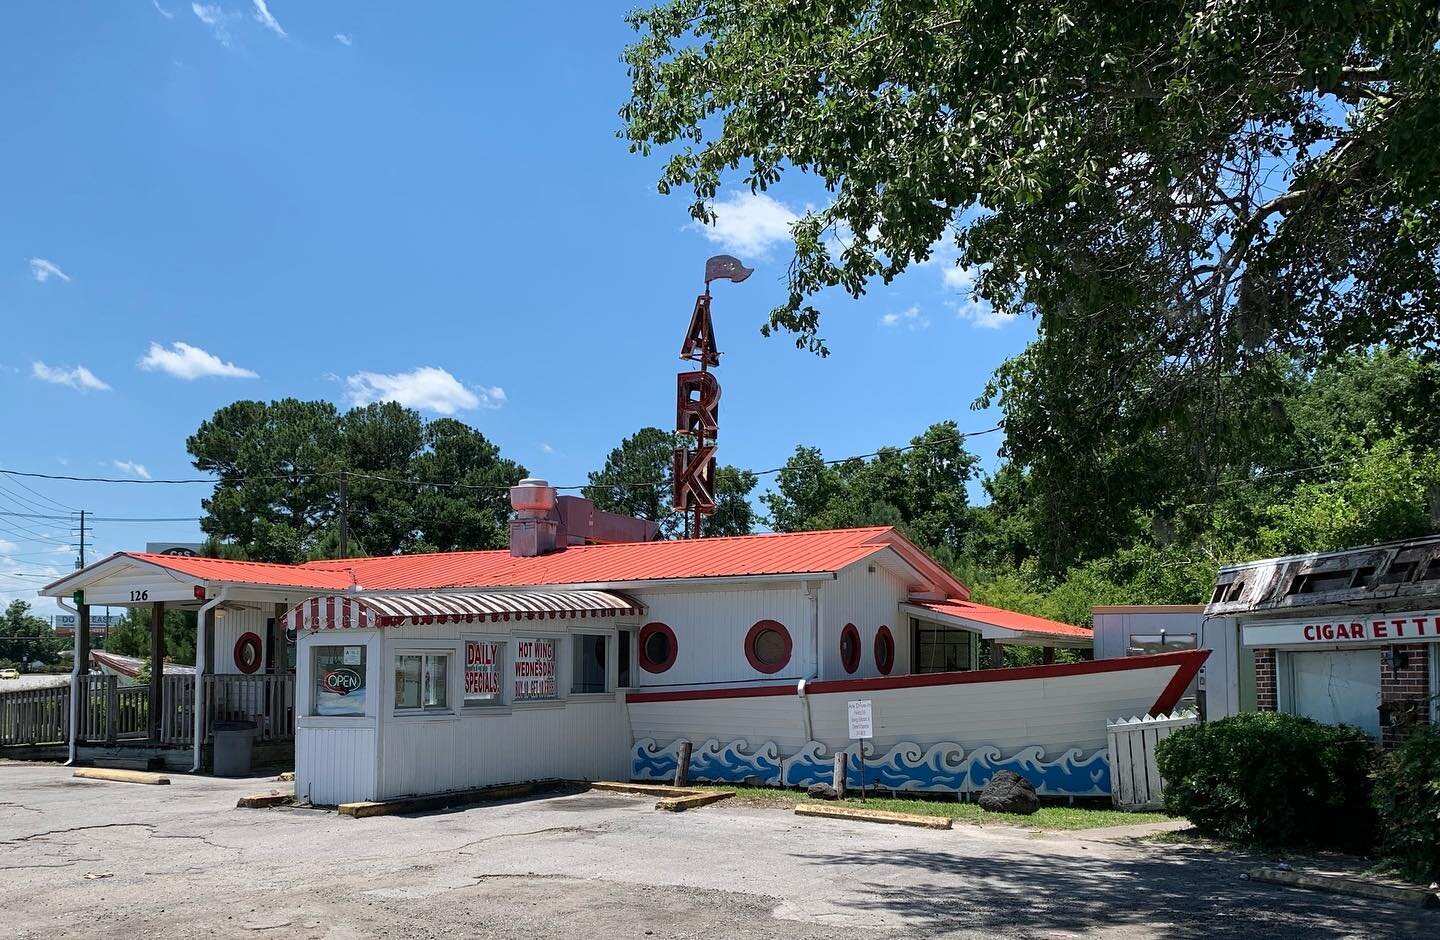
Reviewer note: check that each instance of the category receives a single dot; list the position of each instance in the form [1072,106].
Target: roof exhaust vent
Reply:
[534,529]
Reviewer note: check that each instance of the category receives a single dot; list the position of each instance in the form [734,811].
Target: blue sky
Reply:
[207,202]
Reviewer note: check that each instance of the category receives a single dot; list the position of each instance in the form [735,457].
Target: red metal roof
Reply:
[246,572]
[738,556]
[996,617]
[791,553]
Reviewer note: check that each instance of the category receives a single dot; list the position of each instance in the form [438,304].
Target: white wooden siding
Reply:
[710,628]
[868,600]
[333,763]
[778,718]
[229,629]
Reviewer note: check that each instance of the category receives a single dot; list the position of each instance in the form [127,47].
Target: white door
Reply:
[1338,687]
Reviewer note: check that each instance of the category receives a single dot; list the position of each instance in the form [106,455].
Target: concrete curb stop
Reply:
[873,815]
[122,776]
[1354,886]
[672,799]
[264,800]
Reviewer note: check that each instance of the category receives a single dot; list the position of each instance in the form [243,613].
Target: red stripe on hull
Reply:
[1188,661]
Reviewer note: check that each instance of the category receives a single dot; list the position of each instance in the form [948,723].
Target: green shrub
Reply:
[1407,801]
[1270,779]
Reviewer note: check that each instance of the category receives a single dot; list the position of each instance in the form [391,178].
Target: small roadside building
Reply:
[390,673]
[1347,637]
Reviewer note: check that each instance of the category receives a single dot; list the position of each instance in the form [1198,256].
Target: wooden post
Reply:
[277,642]
[682,764]
[838,774]
[1047,654]
[82,658]
[997,655]
[112,708]
[157,670]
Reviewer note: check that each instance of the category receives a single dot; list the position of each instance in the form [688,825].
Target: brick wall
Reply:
[1401,687]
[1266,696]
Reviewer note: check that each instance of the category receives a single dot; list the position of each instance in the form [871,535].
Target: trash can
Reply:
[234,746]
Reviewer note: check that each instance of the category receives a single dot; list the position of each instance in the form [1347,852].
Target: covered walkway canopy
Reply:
[362,611]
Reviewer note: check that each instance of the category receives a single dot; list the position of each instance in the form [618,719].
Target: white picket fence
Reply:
[1135,782]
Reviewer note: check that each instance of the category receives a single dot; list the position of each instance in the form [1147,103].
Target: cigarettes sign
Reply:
[1369,628]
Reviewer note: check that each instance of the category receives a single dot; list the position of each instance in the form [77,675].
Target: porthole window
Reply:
[884,650]
[768,646]
[657,647]
[247,653]
[850,648]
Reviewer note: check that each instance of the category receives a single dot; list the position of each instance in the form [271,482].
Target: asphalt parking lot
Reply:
[83,858]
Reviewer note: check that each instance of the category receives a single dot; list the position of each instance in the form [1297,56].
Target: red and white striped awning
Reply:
[363,611]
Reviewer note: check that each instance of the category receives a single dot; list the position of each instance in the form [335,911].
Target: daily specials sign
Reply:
[482,670]
[534,669]
[1361,627]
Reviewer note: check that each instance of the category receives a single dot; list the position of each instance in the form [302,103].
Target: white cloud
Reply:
[79,378]
[263,17]
[43,270]
[428,387]
[750,224]
[217,19]
[190,362]
[8,548]
[909,318]
[344,39]
[130,466]
[982,315]
[546,448]
[161,10]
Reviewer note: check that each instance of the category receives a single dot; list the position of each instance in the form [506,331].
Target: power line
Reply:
[90,518]
[320,474]
[56,503]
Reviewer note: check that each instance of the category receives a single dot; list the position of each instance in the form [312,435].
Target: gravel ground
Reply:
[85,858]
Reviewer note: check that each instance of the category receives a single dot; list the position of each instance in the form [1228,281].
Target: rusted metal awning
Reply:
[366,611]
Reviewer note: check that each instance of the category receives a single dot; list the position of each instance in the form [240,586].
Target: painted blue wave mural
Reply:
[936,768]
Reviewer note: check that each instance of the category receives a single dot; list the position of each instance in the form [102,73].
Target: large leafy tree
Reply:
[410,485]
[921,488]
[1208,177]
[25,638]
[636,480]
[1193,199]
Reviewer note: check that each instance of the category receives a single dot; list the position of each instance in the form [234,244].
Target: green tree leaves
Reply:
[26,639]
[280,463]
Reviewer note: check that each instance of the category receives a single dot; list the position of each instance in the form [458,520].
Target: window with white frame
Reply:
[589,665]
[422,681]
[483,658]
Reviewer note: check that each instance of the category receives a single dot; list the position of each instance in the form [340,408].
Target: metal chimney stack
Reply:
[534,528]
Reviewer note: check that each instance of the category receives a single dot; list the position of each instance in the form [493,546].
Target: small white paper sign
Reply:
[861,723]
[352,655]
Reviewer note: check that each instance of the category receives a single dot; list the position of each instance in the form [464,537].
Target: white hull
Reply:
[939,732]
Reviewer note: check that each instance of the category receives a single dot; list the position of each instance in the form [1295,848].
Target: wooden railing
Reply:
[267,700]
[35,716]
[113,714]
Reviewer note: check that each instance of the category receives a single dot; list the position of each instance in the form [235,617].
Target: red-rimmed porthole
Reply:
[248,653]
[768,646]
[850,648]
[657,647]
[884,650]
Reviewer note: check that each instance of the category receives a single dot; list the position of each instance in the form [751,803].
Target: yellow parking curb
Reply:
[122,776]
[873,815]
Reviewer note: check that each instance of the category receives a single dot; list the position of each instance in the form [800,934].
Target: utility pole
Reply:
[344,518]
[83,531]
